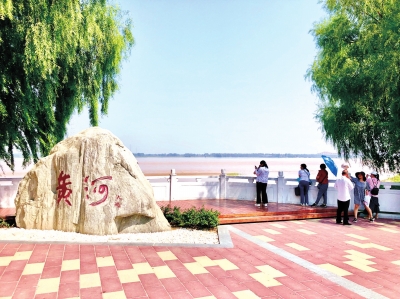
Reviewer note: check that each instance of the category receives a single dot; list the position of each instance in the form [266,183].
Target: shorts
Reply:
[374,204]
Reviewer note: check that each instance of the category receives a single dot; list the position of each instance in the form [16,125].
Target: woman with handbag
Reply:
[262,173]
[374,184]
[304,184]
[360,189]
[323,183]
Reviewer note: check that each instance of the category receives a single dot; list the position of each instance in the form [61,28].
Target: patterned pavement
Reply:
[366,254]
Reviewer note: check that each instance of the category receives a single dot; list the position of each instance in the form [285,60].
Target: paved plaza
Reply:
[286,259]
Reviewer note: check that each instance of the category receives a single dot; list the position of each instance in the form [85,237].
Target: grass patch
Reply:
[200,218]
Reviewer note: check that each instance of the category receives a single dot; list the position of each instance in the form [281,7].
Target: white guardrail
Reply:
[175,187]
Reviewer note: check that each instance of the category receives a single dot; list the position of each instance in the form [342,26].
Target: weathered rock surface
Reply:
[92,184]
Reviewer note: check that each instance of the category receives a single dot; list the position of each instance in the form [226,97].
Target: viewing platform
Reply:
[240,211]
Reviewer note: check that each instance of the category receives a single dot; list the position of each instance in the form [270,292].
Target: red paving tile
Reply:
[328,245]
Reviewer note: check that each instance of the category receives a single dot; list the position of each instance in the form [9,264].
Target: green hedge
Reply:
[3,223]
[193,218]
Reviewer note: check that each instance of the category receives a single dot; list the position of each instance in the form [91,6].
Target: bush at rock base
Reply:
[200,218]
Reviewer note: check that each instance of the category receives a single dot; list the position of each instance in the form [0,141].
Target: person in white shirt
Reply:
[343,187]
[262,173]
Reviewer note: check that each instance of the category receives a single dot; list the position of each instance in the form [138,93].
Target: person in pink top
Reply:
[374,183]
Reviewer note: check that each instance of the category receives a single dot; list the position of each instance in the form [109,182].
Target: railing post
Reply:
[280,187]
[222,185]
[172,186]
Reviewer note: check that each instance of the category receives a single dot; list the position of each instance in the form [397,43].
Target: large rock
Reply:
[92,184]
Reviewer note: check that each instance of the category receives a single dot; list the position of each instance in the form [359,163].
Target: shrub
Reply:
[200,218]
[3,223]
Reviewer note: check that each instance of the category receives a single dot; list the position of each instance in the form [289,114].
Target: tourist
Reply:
[323,183]
[360,188]
[262,173]
[304,184]
[343,187]
[374,184]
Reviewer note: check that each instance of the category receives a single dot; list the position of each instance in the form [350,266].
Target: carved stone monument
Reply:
[92,184]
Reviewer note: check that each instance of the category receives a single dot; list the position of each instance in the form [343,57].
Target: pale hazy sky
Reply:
[217,76]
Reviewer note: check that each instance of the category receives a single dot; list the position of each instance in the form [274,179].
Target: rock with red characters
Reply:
[92,184]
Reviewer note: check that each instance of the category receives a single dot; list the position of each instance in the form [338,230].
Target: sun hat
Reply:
[374,172]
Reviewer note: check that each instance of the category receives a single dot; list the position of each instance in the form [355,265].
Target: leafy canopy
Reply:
[56,57]
[356,75]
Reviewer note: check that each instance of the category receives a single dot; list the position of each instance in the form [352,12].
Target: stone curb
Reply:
[224,236]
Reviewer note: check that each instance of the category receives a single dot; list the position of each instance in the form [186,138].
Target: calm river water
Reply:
[213,166]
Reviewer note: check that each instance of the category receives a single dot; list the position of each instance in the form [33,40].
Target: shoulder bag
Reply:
[375,190]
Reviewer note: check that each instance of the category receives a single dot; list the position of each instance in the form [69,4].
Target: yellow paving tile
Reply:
[272,231]
[278,225]
[396,262]
[167,255]
[205,261]
[264,238]
[360,266]
[297,222]
[226,265]
[368,245]
[265,279]
[357,237]
[5,297]
[386,229]
[70,265]
[163,272]
[74,298]
[143,268]
[297,246]
[380,247]
[195,268]
[335,270]
[90,280]
[307,232]
[48,285]
[128,275]
[105,261]
[36,268]
[22,255]
[5,260]
[114,295]
[357,228]
[270,271]
[359,259]
[360,254]
[247,294]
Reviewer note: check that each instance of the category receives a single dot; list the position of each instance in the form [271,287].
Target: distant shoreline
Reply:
[227,155]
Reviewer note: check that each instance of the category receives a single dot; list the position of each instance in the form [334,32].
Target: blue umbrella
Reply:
[330,164]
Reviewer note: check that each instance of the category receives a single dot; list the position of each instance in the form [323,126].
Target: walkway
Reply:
[291,259]
[244,211]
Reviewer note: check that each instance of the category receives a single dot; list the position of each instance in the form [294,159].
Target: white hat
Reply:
[374,173]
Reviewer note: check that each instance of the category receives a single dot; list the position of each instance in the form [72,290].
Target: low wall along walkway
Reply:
[280,190]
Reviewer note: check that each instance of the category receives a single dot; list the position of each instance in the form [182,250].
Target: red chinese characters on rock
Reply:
[62,187]
[102,189]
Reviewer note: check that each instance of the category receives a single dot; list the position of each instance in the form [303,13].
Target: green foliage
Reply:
[193,218]
[3,223]
[56,57]
[356,76]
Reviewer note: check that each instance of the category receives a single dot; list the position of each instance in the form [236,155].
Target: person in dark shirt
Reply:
[323,183]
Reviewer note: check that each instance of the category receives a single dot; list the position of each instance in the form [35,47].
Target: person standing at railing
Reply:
[323,183]
[262,173]
[343,187]
[374,184]
[304,184]
[360,189]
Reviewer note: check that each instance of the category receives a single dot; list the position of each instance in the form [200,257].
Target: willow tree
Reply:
[356,75]
[56,57]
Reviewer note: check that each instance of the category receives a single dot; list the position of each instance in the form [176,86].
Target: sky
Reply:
[217,77]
